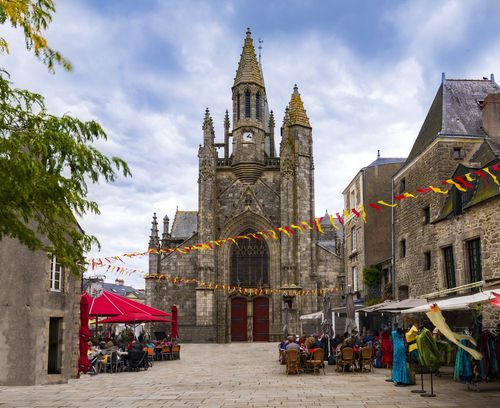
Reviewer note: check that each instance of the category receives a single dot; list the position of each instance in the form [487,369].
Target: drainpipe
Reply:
[393,263]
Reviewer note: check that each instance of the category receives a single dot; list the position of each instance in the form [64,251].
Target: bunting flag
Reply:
[458,182]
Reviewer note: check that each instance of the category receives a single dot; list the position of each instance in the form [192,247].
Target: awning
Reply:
[454,303]
[310,316]
[374,308]
[399,307]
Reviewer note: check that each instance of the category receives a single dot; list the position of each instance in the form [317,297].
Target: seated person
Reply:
[292,344]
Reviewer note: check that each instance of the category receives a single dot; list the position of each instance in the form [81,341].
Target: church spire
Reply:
[249,70]
[154,240]
[208,128]
[297,113]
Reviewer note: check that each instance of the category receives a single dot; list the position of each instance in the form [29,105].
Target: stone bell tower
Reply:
[249,116]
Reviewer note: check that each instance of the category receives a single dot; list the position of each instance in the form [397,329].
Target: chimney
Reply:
[491,115]
[119,281]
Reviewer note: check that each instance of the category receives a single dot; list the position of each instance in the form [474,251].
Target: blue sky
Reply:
[367,72]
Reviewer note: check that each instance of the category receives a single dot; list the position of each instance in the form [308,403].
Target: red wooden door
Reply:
[261,319]
[238,319]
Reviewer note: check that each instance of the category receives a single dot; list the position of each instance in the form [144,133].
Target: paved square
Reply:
[241,375]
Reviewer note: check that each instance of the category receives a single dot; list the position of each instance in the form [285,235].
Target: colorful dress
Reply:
[400,374]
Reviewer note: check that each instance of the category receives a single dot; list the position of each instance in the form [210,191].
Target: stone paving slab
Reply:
[241,375]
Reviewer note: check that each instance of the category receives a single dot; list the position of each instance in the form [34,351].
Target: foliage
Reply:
[33,17]
[45,164]
[371,302]
[372,275]
[388,291]
[46,161]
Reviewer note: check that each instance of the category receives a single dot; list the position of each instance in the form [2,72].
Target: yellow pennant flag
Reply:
[296,227]
[382,202]
[332,221]
[454,183]
[438,190]
[346,213]
[468,177]
[495,180]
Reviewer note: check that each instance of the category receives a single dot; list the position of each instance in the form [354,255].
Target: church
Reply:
[245,186]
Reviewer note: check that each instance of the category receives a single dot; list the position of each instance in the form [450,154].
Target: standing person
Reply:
[400,374]
[386,348]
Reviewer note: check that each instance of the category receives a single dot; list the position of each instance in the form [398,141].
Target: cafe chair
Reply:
[366,359]
[176,352]
[292,357]
[150,355]
[316,361]
[346,359]
[165,353]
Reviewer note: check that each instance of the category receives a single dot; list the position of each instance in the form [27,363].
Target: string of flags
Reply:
[229,289]
[461,183]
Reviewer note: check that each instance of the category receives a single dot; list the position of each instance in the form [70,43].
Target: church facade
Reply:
[250,188]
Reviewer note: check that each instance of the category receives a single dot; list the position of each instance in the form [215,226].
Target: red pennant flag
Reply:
[375,206]
[339,218]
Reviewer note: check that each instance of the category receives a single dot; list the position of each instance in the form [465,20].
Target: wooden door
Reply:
[261,319]
[238,319]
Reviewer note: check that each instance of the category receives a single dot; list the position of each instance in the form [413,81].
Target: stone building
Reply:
[369,243]
[39,309]
[443,241]
[249,188]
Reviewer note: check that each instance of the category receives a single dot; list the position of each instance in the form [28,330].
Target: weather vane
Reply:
[260,47]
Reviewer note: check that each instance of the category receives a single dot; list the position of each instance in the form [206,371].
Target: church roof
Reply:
[386,160]
[123,290]
[249,70]
[455,111]
[297,114]
[185,224]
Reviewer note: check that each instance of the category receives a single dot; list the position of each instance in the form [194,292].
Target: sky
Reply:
[367,72]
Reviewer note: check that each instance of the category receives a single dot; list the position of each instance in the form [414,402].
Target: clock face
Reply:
[247,136]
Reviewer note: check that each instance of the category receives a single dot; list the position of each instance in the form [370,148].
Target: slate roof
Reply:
[386,160]
[122,290]
[330,246]
[185,224]
[455,111]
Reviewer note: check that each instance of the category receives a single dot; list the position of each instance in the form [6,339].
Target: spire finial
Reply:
[260,47]
[378,154]
[249,33]
[153,238]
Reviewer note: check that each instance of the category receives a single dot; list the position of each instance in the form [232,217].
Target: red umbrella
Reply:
[175,328]
[109,304]
[135,318]
[84,334]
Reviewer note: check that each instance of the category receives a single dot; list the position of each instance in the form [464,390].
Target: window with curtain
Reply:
[474,254]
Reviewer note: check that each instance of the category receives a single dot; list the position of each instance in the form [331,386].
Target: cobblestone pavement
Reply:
[241,375]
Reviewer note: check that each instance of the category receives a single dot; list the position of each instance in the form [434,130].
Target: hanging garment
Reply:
[428,352]
[400,374]
[437,319]
[463,365]
[386,348]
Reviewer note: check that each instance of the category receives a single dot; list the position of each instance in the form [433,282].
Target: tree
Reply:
[46,161]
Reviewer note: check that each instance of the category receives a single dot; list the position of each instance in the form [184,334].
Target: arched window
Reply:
[257,105]
[238,108]
[250,263]
[247,104]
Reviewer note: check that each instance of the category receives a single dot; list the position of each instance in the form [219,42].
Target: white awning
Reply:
[454,303]
[374,308]
[317,315]
[396,307]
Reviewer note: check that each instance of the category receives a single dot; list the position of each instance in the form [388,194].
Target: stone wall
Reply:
[26,306]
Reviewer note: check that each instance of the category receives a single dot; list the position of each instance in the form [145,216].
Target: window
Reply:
[474,253]
[354,240]
[402,186]
[355,278]
[247,104]
[353,200]
[402,248]
[56,272]
[427,215]
[427,260]
[449,267]
[250,263]
[55,343]
[457,153]
[238,107]
[257,105]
